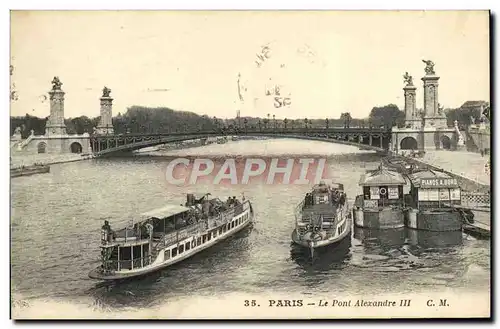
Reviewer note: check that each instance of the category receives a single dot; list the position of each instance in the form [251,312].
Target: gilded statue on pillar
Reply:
[408,79]
[429,67]
[106,91]
[56,83]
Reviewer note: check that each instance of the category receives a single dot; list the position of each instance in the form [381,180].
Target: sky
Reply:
[326,62]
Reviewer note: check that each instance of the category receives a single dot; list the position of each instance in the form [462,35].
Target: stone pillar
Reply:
[434,116]
[105,126]
[431,98]
[410,106]
[55,124]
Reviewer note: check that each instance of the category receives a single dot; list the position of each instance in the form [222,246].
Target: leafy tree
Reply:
[387,116]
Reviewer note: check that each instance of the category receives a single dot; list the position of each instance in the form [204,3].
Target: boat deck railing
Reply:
[203,225]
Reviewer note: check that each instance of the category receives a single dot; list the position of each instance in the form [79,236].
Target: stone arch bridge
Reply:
[376,139]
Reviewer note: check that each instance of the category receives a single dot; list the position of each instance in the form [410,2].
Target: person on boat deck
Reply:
[336,195]
[106,227]
[342,199]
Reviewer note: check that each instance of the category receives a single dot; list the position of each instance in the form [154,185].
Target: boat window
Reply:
[214,233]
[204,238]
[136,252]
[188,245]
[220,230]
[229,226]
[174,252]
[181,249]
[232,224]
[125,253]
[198,241]
[166,254]
[209,237]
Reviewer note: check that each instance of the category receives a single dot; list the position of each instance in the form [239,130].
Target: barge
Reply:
[165,236]
[432,202]
[381,206]
[29,170]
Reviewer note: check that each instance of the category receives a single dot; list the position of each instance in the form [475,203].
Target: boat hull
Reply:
[308,243]
[28,171]
[438,220]
[158,265]
[385,218]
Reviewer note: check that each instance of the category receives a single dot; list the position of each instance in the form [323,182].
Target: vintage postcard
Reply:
[250,164]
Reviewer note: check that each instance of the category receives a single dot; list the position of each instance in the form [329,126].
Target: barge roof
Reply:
[382,176]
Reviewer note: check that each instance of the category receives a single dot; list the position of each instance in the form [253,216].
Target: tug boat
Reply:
[323,217]
[165,236]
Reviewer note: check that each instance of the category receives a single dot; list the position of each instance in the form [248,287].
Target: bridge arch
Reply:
[446,142]
[408,143]
[41,147]
[76,147]
[376,140]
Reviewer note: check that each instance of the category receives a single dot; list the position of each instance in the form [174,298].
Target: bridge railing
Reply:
[243,131]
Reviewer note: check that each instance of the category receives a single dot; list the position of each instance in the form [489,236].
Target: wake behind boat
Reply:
[168,235]
[323,217]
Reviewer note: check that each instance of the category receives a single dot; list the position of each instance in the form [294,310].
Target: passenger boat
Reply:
[168,235]
[323,217]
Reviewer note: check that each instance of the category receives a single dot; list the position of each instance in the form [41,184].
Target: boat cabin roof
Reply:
[325,185]
[382,176]
[164,212]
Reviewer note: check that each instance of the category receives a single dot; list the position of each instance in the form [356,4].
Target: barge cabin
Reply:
[382,204]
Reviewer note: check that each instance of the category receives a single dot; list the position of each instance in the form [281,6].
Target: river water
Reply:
[56,220]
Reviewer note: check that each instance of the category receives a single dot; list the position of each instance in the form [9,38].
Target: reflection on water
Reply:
[429,240]
[403,248]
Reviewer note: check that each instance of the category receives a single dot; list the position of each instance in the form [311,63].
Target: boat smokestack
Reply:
[205,207]
[190,200]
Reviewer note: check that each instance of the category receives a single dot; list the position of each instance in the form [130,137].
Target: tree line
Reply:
[140,119]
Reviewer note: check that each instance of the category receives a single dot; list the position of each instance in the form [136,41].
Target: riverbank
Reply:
[18,160]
